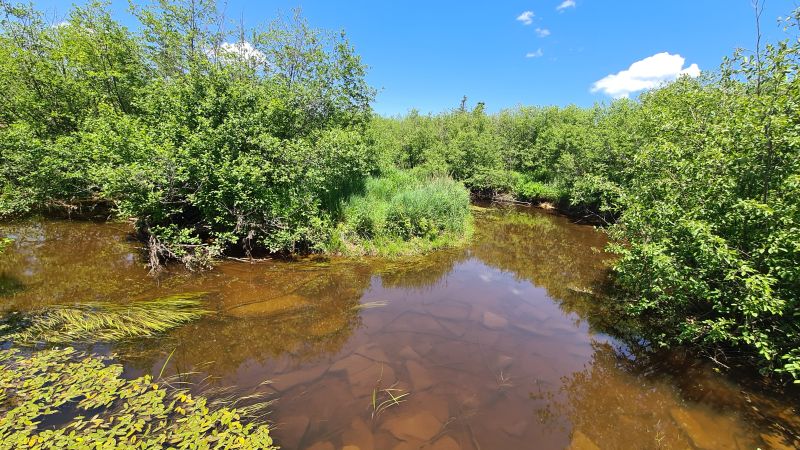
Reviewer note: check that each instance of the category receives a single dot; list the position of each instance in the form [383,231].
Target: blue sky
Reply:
[428,54]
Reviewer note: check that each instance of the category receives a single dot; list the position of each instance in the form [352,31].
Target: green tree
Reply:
[708,237]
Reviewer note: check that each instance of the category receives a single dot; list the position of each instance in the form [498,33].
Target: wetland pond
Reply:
[499,345]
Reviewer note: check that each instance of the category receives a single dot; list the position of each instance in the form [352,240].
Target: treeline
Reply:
[570,157]
[206,141]
[700,178]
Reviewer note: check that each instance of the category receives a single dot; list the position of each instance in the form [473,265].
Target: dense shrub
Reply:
[566,155]
[709,237]
[214,142]
[528,189]
[209,144]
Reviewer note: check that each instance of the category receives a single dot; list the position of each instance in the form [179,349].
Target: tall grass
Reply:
[404,212]
[106,322]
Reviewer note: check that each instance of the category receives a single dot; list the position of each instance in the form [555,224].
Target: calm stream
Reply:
[500,345]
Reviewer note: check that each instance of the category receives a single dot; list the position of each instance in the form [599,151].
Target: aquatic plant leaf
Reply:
[105,322]
[141,413]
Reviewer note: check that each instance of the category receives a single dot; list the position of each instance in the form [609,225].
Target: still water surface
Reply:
[499,345]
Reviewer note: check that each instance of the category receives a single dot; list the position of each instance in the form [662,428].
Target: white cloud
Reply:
[244,50]
[542,32]
[526,17]
[648,73]
[566,4]
[538,53]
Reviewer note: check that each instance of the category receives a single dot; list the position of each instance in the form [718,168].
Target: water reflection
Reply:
[9,285]
[57,262]
[422,272]
[548,251]
[274,314]
[607,403]
[503,344]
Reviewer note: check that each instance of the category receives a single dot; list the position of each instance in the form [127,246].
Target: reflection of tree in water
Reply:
[312,318]
[550,252]
[277,312]
[535,246]
[630,387]
[420,272]
[626,398]
[611,406]
[54,261]
[9,285]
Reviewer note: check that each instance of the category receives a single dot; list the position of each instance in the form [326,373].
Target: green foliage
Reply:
[95,407]
[404,212]
[439,206]
[526,188]
[264,139]
[709,237]
[564,155]
[209,140]
[106,322]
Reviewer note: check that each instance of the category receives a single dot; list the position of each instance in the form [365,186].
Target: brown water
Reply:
[499,345]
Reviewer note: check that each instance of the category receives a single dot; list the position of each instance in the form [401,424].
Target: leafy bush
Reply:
[527,189]
[708,236]
[212,149]
[567,155]
[702,176]
[208,146]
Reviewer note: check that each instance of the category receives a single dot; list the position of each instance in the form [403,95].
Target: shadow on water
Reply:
[508,343]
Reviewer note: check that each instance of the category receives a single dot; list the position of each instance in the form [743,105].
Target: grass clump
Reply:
[105,322]
[69,386]
[404,213]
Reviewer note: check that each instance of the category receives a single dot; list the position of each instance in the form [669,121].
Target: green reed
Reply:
[105,322]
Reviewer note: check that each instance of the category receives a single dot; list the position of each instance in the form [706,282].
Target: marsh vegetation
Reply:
[105,322]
